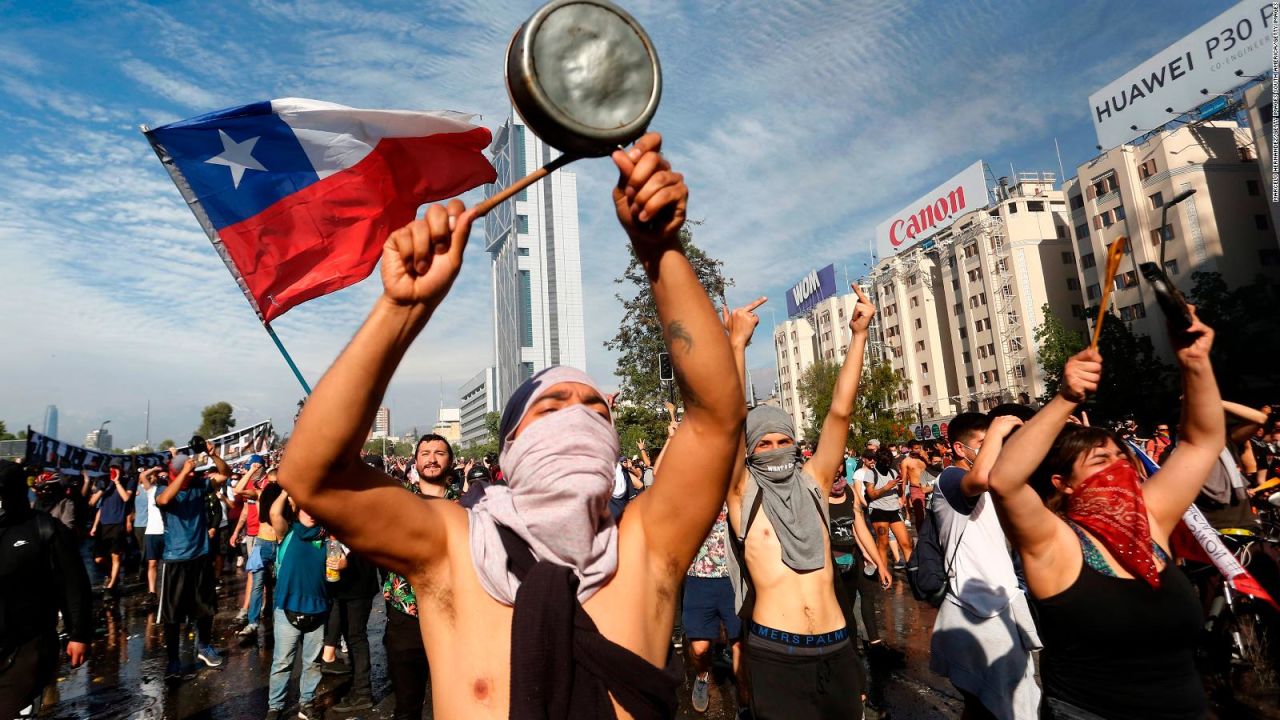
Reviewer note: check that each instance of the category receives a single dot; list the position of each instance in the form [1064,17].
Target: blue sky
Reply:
[799,125]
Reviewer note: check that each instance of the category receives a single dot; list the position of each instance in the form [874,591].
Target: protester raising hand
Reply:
[421,260]
[650,198]
[741,322]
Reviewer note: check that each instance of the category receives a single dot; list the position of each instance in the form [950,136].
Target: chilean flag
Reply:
[299,195]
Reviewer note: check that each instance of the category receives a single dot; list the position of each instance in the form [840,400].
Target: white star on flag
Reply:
[238,156]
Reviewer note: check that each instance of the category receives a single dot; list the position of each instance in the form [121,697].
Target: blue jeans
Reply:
[287,637]
[267,551]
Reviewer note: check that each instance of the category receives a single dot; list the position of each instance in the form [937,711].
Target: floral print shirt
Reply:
[396,590]
[712,558]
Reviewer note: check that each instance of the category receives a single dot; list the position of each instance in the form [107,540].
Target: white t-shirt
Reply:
[983,579]
[155,520]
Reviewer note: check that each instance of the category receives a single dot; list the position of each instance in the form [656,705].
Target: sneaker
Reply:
[354,703]
[248,630]
[209,656]
[308,711]
[337,667]
[273,714]
[701,693]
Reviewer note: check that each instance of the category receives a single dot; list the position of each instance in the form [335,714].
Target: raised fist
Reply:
[1081,375]
[421,260]
[649,198]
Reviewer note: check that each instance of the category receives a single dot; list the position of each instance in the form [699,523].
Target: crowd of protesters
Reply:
[547,580]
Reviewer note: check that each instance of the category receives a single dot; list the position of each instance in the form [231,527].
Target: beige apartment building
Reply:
[1259,104]
[1226,227]
[820,334]
[959,310]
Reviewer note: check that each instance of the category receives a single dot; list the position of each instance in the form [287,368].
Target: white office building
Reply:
[381,424]
[476,398]
[537,275]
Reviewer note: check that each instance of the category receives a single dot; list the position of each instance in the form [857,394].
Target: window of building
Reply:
[1106,219]
[523,252]
[915,301]
[1077,312]
[1077,202]
[1147,169]
[1126,279]
[1068,258]
[1007,291]
[1155,234]
[971,249]
[991,349]
[1157,200]
[1092,292]
[982,352]
[1073,284]
[526,371]
[1087,261]
[924,368]
[911,280]
[1118,213]
[966,357]
[957,308]
[1251,187]
[1060,231]
[1020,371]
[526,310]
[1133,312]
[955,285]
[1171,267]
[986,323]
[1015,344]
[1260,221]
[977,327]
[1082,231]
[969,380]
[918,324]
[964,332]
[1013,317]
[927,391]
[1013,208]
[1002,265]
[1035,206]
[973,301]
[522,223]
[982,298]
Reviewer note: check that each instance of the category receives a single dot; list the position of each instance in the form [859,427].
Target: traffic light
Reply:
[665,371]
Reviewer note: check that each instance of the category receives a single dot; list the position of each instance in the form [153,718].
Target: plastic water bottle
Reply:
[334,553]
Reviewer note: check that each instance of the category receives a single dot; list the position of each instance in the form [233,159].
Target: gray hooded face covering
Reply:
[788,493]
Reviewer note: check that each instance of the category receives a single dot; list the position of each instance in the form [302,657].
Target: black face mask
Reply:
[934,469]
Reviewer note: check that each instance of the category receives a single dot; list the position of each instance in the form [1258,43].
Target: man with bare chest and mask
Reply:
[800,658]
[533,603]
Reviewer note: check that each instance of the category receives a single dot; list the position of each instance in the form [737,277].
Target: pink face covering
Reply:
[560,475]
[1109,504]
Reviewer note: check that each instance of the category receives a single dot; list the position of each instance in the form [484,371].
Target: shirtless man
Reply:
[801,662]
[912,471]
[558,450]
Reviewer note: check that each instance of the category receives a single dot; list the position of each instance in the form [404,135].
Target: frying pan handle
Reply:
[481,209]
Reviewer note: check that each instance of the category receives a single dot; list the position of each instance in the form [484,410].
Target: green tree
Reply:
[877,392]
[1134,381]
[640,339]
[215,420]
[1057,344]
[5,434]
[166,444]
[635,423]
[816,384]
[1245,343]
[490,444]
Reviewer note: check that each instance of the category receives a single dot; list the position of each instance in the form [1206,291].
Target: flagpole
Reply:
[292,365]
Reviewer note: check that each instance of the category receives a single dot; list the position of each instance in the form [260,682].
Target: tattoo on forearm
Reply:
[677,336]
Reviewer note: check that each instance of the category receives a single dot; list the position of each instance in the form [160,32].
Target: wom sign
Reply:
[815,287]
[936,210]
[1216,57]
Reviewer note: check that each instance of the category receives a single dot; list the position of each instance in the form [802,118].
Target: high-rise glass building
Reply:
[51,421]
[532,240]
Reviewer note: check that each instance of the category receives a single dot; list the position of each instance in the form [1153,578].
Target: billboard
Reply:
[936,210]
[1214,58]
[812,289]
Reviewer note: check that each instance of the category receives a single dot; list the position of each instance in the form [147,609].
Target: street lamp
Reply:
[1164,214]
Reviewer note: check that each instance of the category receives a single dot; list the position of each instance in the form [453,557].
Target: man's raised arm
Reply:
[741,326]
[835,428]
[321,468]
[689,489]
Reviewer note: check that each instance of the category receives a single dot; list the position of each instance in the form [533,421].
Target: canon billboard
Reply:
[1216,57]
[936,210]
[812,289]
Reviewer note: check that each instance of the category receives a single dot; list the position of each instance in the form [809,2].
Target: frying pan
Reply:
[585,77]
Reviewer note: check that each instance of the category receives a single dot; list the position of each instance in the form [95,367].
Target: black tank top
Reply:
[1120,649]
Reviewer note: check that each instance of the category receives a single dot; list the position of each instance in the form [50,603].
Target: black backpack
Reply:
[928,572]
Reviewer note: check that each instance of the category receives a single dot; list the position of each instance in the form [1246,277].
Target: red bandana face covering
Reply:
[1109,505]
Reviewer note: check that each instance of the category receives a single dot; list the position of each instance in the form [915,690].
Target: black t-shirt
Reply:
[358,580]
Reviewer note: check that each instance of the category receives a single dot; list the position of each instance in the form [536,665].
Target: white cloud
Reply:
[170,86]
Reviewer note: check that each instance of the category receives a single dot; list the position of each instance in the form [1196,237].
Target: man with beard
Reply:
[406,656]
[533,589]
[801,662]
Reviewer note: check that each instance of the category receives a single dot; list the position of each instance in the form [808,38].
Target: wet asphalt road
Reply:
[123,676]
